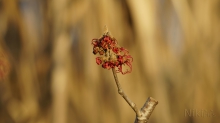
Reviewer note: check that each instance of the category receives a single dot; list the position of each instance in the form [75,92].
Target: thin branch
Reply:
[121,92]
[142,115]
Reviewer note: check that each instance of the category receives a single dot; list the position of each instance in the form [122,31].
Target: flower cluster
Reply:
[111,54]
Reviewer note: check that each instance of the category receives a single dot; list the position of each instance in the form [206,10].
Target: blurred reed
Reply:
[49,75]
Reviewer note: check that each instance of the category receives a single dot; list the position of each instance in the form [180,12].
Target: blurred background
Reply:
[48,72]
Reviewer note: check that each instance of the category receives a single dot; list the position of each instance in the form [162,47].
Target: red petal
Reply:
[98,60]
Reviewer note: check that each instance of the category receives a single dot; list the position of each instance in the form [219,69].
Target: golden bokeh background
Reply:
[48,73]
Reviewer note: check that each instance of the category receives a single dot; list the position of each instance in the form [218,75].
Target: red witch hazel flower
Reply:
[111,54]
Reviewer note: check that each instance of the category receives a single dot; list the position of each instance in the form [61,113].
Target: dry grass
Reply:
[53,78]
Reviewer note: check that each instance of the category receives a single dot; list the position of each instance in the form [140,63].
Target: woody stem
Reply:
[122,93]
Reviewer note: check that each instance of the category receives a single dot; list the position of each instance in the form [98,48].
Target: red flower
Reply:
[107,40]
[124,50]
[98,60]
[124,60]
[104,45]
[106,65]
[95,42]
[95,50]
[120,59]
[115,50]
[114,55]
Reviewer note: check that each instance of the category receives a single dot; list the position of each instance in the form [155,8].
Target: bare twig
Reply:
[143,115]
[121,92]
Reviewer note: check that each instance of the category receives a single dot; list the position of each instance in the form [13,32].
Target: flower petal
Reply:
[98,60]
